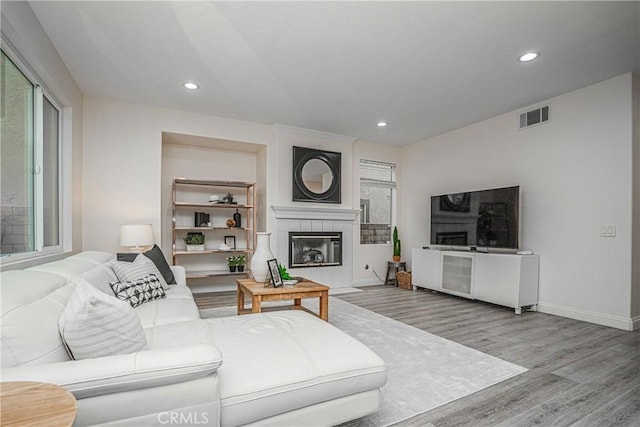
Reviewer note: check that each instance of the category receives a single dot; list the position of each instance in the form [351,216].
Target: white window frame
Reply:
[64,173]
[393,185]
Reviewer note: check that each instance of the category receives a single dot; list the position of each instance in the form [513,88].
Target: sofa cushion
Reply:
[140,267]
[94,324]
[154,254]
[99,277]
[31,303]
[137,292]
[167,310]
[281,361]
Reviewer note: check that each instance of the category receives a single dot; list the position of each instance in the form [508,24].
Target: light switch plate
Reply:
[608,230]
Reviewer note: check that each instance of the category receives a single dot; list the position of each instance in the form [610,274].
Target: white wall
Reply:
[282,195]
[635,295]
[23,32]
[574,173]
[123,157]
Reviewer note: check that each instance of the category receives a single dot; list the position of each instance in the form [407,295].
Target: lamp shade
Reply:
[136,235]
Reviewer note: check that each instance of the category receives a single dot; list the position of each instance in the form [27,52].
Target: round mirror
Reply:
[317,176]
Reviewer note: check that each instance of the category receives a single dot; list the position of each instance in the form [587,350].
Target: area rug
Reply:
[424,370]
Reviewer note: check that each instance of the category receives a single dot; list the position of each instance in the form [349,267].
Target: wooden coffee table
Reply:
[259,294]
[28,403]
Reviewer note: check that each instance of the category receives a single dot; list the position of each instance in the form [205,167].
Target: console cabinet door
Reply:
[497,279]
[425,266]
[457,274]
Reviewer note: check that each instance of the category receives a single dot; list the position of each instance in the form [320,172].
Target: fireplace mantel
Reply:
[304,212]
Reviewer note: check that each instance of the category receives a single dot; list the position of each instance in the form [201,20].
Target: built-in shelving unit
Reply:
[192,195]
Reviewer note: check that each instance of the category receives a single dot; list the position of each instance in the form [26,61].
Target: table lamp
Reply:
[136,236]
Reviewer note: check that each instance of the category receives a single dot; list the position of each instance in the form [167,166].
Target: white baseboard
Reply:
[635,323]
[627,324]
[365,282]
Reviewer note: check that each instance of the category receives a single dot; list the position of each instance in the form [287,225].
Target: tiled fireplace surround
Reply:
[305,219]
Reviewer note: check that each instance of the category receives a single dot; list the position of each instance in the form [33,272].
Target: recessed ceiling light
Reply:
[191,85]
[529,56]
[382,124]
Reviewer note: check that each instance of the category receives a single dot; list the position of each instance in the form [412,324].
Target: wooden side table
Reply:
[259,294]
[396,266]
[28,403]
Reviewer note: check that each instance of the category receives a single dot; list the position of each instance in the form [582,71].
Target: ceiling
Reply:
[424,67]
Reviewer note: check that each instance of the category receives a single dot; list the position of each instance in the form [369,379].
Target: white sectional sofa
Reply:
[278,368]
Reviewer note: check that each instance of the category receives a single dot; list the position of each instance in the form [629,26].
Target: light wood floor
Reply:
[579,373]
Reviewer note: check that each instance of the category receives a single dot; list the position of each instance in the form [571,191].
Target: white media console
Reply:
[505,279]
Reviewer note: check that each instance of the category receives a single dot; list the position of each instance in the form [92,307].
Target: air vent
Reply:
[534,117]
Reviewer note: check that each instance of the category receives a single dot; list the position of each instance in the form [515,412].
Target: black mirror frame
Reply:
[301,155]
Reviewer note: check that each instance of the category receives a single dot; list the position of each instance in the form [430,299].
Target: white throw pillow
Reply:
[140,267]
[94,324]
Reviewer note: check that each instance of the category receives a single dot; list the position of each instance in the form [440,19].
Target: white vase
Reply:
[263,253]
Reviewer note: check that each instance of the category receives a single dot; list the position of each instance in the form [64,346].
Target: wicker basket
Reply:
[403,279]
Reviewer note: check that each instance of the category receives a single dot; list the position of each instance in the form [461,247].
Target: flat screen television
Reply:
[477,219]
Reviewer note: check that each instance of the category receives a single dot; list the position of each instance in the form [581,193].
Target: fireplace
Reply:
[455,238]
[315,249]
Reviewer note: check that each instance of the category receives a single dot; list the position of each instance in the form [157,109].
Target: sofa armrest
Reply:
[179,274]
[123,372]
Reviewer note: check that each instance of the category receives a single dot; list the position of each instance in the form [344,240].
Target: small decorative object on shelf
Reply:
[236,263]
[194,241]
[232,262]
[231,223]
[237,218]
[241,261]
[201,219]
[397,247]
[230,242]
[228,198]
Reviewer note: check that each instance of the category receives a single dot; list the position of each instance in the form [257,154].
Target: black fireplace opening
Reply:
[315,249]
[454,238]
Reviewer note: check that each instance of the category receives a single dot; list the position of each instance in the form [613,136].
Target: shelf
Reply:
[212,228]
[211,205]
[191,196]
[236,184]
[211,251]
[211,273]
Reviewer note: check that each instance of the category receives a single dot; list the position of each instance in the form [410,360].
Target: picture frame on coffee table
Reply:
[274,272]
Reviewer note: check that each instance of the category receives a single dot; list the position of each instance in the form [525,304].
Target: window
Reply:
[377,196]
[30,165]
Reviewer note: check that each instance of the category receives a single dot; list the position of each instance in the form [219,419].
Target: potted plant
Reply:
[397,248]
[228,198]
[194,241]
[232,262]
[241,261]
